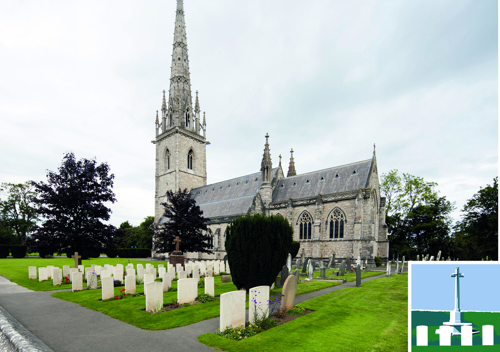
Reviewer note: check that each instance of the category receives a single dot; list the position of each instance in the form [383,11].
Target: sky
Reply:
[433,288]
[327,78]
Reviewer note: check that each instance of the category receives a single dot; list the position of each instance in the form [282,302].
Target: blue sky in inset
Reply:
[433,288]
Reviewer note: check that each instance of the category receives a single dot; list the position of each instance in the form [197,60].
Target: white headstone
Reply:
[178,267]
[465,333]
[130,284]
[77,281]
[161,271]
[209,286]
[228,270]
[81,268]
[140,272]
[422,335]
[148,278]
[108,290]
[310,270]
[170,268]
[66,271]
[445,335]
[216,268]
[105,273]
[71,271]
[488,335]
[232,309]
[49,271]
[92,280]
[42,274]
[32,272]
[167,281]
[289,262]
[120,267]
[131,272]
[196,274]
[187,290]
[188,269]
[118,275]
[97,269]
[56,276]
[181,275]
[154,296]
[209,273]
[258,303]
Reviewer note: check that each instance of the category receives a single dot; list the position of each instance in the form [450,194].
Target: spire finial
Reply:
[291,167]
[157,122]
[267,164]
[197,104]
[280,159]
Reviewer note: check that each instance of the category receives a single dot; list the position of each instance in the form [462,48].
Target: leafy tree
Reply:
[418,219]
[257,247]
[184,219]
[72,207]
[476,235]
[17,210]
[140,236]
[125,225]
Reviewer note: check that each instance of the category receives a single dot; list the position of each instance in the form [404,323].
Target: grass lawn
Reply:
[372,317]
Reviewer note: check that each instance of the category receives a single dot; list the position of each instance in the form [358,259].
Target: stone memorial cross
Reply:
[78,259]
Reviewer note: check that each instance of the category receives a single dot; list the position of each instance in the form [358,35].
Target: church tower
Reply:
[180,137]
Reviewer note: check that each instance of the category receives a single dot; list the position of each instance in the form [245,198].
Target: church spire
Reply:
[266,165]
[291,167]
[179,96]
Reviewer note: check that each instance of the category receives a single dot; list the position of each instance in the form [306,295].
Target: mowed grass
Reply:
[372,317]
[16,270]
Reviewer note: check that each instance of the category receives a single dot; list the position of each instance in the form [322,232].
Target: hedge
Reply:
[4,251]
[134,253]
[18,251]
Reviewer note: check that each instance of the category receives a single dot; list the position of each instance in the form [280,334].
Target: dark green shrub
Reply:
[134,253]
[111,252]
[204,298]
[378,261]
[294,248]
[4,251]
[257,247]
[18,251]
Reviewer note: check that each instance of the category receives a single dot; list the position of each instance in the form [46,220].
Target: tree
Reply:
[257,247]
[72,207]
[17,210]
[476,235]
[184,219]
[418,219]
[140,236]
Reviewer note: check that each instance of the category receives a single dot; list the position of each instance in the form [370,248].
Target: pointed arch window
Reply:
[190,160]
[188,119]
[167,159]
[305,226]
[336,223]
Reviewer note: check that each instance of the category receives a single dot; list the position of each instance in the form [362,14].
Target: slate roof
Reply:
[333,180]
[228,198]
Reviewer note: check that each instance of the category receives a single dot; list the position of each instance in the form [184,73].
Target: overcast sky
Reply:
[327,78]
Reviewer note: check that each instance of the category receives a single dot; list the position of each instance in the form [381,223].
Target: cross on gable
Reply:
[78,259]
[177,241]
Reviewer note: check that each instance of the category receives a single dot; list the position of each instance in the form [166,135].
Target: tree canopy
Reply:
[184,219]
[138,236]
[72,208]
[17,212]
[476,235]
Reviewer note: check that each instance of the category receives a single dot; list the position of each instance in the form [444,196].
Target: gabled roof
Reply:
[228,198]
[333,180]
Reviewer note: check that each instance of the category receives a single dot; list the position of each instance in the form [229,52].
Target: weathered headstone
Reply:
[130,284]
[258,306]
[56,276]
[32,272]
[289,291]
[303,256]
[358,275]
[187,290]
[439,256]
[348,264]
[342,268]
[42,274]
[310,270]
[331,262]
[389,268]
[298,264]
[154,296]
[232,309]
[403,265]
[92,280]
[397,267]
[225,279]
[289,262]
[167,281]
[209,286]
[304,265]
[284,275]
[77,281]
[108,290]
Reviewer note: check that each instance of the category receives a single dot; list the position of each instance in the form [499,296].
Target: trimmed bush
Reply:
[294,248]
[378,261]
[134,253]
[257,247]
[4,251]
[18,251]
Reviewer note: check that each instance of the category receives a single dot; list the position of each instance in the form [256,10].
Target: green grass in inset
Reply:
[372,317]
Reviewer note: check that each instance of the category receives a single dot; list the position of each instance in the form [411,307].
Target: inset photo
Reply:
[455,304]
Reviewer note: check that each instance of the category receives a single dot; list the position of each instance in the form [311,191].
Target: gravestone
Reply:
[81,268]
[49,271]
[105,273]
[181,275]
[209,286]
[289,291]
[131,272]
[42,274]
[348,265]
[130,284]
[154,296]
[304,266]
[225,278]
[439,256]
[77,281]
[432,258]
[258,305]
[118,275]
[298,264]
[209,273]
[196,274]
[342,268]
[322,272]
[56,277]
[284,275]
[65,271]
[289,262]
[358,275]
[32,272]
[78,259]
[108,290]
[187,290]
[389,268]
[140,272]
[331,262]
[402,265]
[176,257]
[397,267]
[232,309]
[92,281]
[167,281]
[310,270]
[303,256]
[418,257]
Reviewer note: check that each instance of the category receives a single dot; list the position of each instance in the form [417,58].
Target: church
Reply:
[334,210]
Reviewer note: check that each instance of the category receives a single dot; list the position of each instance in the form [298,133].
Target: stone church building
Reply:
[338,209]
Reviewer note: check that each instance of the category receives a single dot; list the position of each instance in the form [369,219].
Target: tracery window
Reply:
[305,225]
[190,160]
[336,223]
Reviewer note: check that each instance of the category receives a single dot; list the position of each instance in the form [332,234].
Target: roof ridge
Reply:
[231,179]
[329,168]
